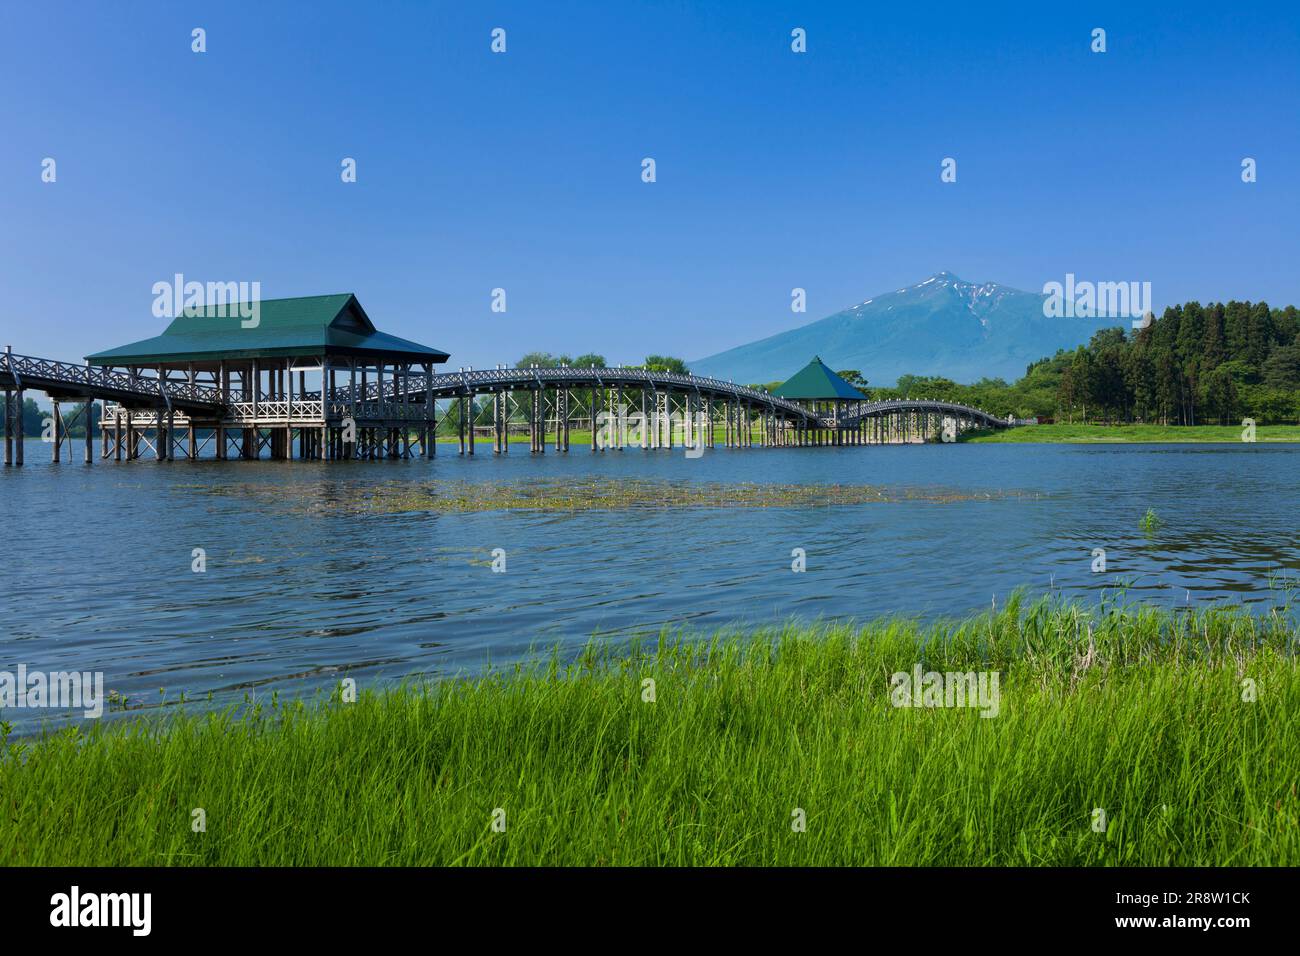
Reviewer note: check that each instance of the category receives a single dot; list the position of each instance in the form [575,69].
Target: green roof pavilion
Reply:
[319,328]
[817,383]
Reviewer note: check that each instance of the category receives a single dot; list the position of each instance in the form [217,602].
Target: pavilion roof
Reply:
[816,381]
[309,327]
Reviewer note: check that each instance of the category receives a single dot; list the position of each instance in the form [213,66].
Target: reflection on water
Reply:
[312,572]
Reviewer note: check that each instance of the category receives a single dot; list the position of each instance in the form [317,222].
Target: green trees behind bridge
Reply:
[1196,364]
[547,360]
[34,418]
[655,363]
[1211,364]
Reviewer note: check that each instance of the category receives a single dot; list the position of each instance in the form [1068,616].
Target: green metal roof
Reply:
[816,381]
[311,326]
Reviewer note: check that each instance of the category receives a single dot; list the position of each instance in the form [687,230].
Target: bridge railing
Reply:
[42,371]
[868,409]
[459,383]
[273,410]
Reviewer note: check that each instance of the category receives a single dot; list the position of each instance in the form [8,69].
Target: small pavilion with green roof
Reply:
[818,388]
[250,352]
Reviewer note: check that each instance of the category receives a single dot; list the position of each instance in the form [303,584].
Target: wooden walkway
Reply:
[403,411]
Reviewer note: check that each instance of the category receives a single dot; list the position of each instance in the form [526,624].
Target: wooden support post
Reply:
[58,430]
[688,420]
[430,435]
[460,408]
[496,423]
[19,432]
[619,411]
[470,404]
[652,422]
[539,403]
[645,423]
[507,396]
[90,436]
[9,427]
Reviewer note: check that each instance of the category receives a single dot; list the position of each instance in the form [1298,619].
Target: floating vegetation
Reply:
[592,494]
[1150,521]
[604,494]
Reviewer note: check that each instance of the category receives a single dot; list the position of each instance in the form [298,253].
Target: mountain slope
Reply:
[942,326]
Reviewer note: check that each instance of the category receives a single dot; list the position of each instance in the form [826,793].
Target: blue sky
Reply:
[523,170]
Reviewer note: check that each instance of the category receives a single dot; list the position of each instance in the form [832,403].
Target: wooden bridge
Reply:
[401,410]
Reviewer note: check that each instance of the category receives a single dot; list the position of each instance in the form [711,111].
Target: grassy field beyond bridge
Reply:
[1083,434]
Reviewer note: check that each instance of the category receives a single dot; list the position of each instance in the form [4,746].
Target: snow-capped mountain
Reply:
[941,326]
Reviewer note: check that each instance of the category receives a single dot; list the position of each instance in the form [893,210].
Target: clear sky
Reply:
[522,170]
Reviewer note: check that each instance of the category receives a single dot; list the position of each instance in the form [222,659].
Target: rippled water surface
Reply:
[384,570]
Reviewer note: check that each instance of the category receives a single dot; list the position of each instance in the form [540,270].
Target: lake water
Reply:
[303,587]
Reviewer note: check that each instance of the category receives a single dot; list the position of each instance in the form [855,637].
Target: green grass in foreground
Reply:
[1134,711]
[1134,433]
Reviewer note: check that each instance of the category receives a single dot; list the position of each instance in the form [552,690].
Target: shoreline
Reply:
[717,751]
[1067,434]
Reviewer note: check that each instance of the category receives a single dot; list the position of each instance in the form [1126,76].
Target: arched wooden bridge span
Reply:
[394,412]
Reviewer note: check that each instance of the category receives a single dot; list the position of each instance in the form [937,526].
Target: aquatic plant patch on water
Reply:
[605,494]
[602,494]
[1122,736]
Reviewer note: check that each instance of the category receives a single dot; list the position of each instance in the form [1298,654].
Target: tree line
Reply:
[34,418]
[1196,364]
[654,363]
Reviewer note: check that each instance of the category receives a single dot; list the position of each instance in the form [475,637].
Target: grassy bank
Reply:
[1137,712]
[1083,434]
